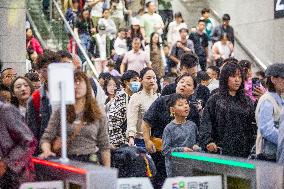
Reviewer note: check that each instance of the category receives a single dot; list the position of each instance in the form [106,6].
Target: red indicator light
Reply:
[59,166]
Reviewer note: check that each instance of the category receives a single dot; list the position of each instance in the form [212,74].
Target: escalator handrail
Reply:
[76,39]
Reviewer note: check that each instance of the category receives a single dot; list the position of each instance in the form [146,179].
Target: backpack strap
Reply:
[36,103]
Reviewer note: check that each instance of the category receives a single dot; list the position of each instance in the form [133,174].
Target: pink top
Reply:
[33,42]
[249,89]
[114,73]
[136,61]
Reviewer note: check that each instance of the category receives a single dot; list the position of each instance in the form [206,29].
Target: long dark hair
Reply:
[135,34]
[246,66]
[151,41]
[228,70]
[81,15]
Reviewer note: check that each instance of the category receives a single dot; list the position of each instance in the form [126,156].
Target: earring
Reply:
[172,114]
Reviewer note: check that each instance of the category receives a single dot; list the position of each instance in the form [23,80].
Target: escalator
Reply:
[51,33]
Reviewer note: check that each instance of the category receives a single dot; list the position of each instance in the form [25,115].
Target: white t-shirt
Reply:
[173,32]
[120,46]
[224,50]
[110,27]
[148,22]
[97,10]
[101,39]
[119,11]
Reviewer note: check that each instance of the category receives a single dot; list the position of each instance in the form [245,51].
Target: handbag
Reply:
[57,143]
[158,143]
[268,149]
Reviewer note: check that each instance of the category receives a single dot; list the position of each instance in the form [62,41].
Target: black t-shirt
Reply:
[84,26]
[158,115]
[200,42]
[201,92]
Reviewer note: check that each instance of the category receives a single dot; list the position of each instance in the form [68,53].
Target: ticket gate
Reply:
[76,174]
[235,172]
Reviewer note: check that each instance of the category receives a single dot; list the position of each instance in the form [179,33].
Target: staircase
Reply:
[191,10]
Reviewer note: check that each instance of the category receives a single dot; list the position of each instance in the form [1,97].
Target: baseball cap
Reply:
[276,70]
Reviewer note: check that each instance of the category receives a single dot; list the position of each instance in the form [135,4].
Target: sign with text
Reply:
[134,183]
[43,185]
[202,182]
[278,8]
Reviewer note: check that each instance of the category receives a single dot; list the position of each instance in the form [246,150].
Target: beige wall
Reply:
[256,27]
[13,34]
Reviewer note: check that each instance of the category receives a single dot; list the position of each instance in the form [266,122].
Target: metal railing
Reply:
[77,41]
[247,51]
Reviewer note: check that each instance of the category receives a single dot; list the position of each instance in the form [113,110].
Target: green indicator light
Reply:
[214,160]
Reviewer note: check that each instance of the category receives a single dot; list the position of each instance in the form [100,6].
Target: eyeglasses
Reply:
[11,76]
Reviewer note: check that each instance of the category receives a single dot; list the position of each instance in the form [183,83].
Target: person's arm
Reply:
[173,55]
[150,118]
[24,142]
[132,116]
[105,155]
[206,129]
[103,142]
[266,122]
[147,135]
[215,52]
[49,135]
[123,64]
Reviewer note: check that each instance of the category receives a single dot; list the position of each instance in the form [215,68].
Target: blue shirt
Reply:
[266,120]
[280,147]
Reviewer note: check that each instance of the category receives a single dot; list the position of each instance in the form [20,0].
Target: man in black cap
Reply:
[225,27]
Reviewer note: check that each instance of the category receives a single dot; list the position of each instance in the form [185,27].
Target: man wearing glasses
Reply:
[7,76]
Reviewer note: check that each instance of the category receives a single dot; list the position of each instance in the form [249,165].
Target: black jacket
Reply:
[219,30]
[227,121]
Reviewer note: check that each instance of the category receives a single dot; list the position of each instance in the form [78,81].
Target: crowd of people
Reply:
[162,87]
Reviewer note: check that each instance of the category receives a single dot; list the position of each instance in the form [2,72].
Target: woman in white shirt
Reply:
[174,27]
[139,103]
[223,49]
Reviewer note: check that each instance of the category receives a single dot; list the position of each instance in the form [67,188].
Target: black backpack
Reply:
[132,161]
